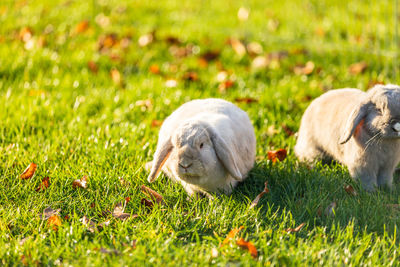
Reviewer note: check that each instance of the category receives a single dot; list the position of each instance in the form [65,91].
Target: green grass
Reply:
[72,122]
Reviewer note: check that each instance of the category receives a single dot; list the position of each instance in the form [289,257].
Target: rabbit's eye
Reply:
[201,145]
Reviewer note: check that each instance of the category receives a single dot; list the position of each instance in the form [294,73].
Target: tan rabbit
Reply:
[207,145]
[359,129]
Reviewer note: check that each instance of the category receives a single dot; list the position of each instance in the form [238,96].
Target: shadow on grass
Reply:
[307,193]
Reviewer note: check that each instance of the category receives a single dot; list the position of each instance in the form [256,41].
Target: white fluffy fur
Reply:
[359,129]
[213,139]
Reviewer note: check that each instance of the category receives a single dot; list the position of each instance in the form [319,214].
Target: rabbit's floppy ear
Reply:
[355,118]
[225,154]
[160,157]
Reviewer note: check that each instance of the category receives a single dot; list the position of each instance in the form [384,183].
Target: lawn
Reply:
[85,85]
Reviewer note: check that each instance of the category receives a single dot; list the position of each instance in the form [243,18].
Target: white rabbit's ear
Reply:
[160,157]
[356,116]
[225,155]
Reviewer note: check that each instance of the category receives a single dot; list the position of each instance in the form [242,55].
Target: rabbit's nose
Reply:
[185,165]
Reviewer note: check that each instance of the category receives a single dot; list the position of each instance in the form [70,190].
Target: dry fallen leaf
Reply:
[287,130]
[260,62]
[91,226]
[257,199]
[231,235]
[44,184]
[295,230]
[116,76]
[82,183]
[25,34]
[207,57]
[152,194]
[48,212]
[254,48]
[155,69]
[306,69]
[29,171]
[330,210]
[247,245]
[93,66]
[108,41]
[146,39]
[54,221]
[190,76]
[358,67]
[119,212]
[108,251]
[350,190]
[223,86]
[82,26]
[276,155]
[238,47]
[247,100]
[147,203]
[156,123]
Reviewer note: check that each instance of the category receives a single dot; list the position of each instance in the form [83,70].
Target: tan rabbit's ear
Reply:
[225,155]
[356,116]
[160,157]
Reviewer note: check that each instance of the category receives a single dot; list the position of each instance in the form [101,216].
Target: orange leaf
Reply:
[191,76]
[277,154]
[231,235]
[350,190]
[156,123]
[45,184]
[82,26]
[257,199]
[295,230]
[155,69]
[306,69]
[225,85]
[358,67]
[29,171]
[238,47]
[247,245]
[25,34]
[82,183]
[153,194]
[54,221]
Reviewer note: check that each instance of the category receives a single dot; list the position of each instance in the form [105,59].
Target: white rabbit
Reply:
[359,129]
[207,145]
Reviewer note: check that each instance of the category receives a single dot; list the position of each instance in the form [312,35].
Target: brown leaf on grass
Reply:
[295,230]
[258,197]
[29,171]
[207,57]
[155,69]
[238,47]
[223,86]
[147,203]
[116,76]
[190,76]
[48,212]
[254,48]
[247,245]
[82,183]
[93,66]
[172,40]
[231,235]
[247,100]
[44,184]
[108,251]
[156,123]
[276,155]
[54,221]
[91,226]
[152,194]
[119,212]
[306,69]
[82,26]
[350,190]
[25,34]
[358,67]
[127,199]
[330,210]
[107,41]
[287,130]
